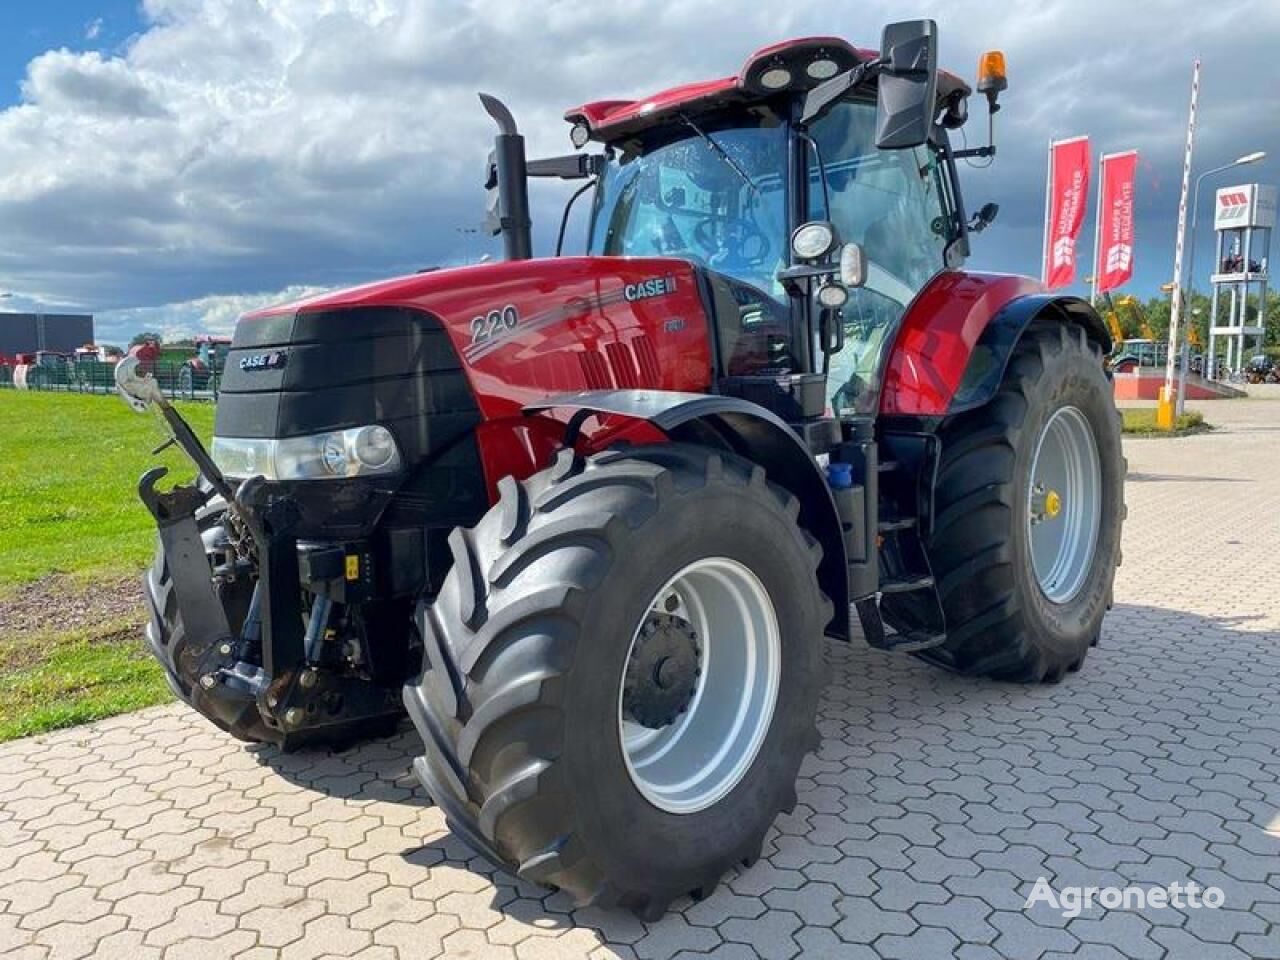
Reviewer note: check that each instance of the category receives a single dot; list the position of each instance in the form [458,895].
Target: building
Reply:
[29,332]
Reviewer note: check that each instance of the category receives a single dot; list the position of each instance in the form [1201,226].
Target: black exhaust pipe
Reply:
[508,173]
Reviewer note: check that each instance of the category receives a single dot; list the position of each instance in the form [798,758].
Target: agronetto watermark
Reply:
[1073,901]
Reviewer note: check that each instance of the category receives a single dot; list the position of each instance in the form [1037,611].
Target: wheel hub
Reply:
[1045,504]
[662,674]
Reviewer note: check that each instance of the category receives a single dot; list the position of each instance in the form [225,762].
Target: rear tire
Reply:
[1003,620]
[526,647]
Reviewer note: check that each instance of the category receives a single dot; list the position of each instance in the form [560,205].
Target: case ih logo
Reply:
[653,287]
[264,361]
[1233,206]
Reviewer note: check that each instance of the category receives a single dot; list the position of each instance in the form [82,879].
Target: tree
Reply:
[143,337]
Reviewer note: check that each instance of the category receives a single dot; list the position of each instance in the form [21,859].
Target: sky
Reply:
[168,164]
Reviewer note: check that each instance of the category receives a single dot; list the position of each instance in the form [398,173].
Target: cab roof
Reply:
[613,119]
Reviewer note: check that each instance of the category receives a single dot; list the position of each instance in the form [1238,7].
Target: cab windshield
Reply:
[718,200]
[717,196]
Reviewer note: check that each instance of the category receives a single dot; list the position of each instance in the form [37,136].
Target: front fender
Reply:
[752,432]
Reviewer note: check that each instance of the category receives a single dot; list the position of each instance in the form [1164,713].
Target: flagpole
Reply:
[1097,232]
[1169,406]
[1048,196]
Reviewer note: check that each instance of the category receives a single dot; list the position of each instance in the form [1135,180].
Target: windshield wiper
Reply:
[721,153]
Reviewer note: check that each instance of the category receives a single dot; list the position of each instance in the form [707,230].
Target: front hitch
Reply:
[263,680]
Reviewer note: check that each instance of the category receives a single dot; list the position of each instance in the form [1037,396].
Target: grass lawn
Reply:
[1142,423]
[68,477]
[53,678]
[73,537]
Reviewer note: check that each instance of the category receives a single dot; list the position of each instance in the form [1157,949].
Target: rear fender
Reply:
[992,352]
[752,432]
[937,335]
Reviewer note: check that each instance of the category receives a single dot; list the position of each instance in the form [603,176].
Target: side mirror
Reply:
[908,94]
[984,217]
[853,265]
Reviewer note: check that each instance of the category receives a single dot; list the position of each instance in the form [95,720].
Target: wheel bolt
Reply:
[308,679]
[293,716]
[225,649]
[208,680]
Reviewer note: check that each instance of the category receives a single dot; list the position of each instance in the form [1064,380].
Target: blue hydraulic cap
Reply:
[840,475]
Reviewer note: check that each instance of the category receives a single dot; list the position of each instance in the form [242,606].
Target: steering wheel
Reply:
[740,239]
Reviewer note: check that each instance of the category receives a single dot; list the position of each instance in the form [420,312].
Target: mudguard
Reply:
[937,335]
[750,431]
[990,357]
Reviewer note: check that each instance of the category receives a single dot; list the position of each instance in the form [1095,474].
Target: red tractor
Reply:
[147,352]
[594,515]
[204,369]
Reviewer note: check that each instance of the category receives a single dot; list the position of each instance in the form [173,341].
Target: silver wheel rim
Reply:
[1064,504]
[693,762]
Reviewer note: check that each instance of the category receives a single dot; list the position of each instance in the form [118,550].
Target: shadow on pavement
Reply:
[1164,741]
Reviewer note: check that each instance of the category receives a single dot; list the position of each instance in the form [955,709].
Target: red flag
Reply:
[1115,221]
[1068,191]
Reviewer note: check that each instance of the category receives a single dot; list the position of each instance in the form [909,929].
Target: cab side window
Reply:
[889,201]
[893,203]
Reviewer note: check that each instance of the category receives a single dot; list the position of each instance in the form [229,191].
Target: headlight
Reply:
[358,452]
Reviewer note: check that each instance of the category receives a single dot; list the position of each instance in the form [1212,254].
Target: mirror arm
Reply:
[817,100]
[790,277]
[990,149]
[573,166]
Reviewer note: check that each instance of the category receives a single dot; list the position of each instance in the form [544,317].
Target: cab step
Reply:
[906,585]
[901,643]
[874,633]
[902,523]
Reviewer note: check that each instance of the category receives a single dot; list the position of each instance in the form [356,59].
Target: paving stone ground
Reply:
[924,821]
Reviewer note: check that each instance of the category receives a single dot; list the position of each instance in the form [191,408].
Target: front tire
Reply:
[530,676]
[1025,569]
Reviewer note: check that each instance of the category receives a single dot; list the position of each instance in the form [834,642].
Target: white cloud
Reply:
[93,29]
[241,146]
[215,314]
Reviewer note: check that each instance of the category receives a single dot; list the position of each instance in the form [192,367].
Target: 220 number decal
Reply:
[493,324]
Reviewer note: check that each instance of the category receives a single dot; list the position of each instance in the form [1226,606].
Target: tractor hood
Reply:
[476,284]
[522,330]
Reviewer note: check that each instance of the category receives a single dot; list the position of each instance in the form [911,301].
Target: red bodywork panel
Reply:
[610,119]
[936,338]
[526,330]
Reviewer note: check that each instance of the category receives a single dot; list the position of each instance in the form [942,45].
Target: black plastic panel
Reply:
[345,368]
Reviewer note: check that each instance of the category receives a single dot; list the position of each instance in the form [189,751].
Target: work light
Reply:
[813,241]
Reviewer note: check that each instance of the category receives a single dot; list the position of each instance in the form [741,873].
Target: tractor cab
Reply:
[814,141]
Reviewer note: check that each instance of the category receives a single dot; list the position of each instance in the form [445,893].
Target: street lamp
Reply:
[1254,157]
